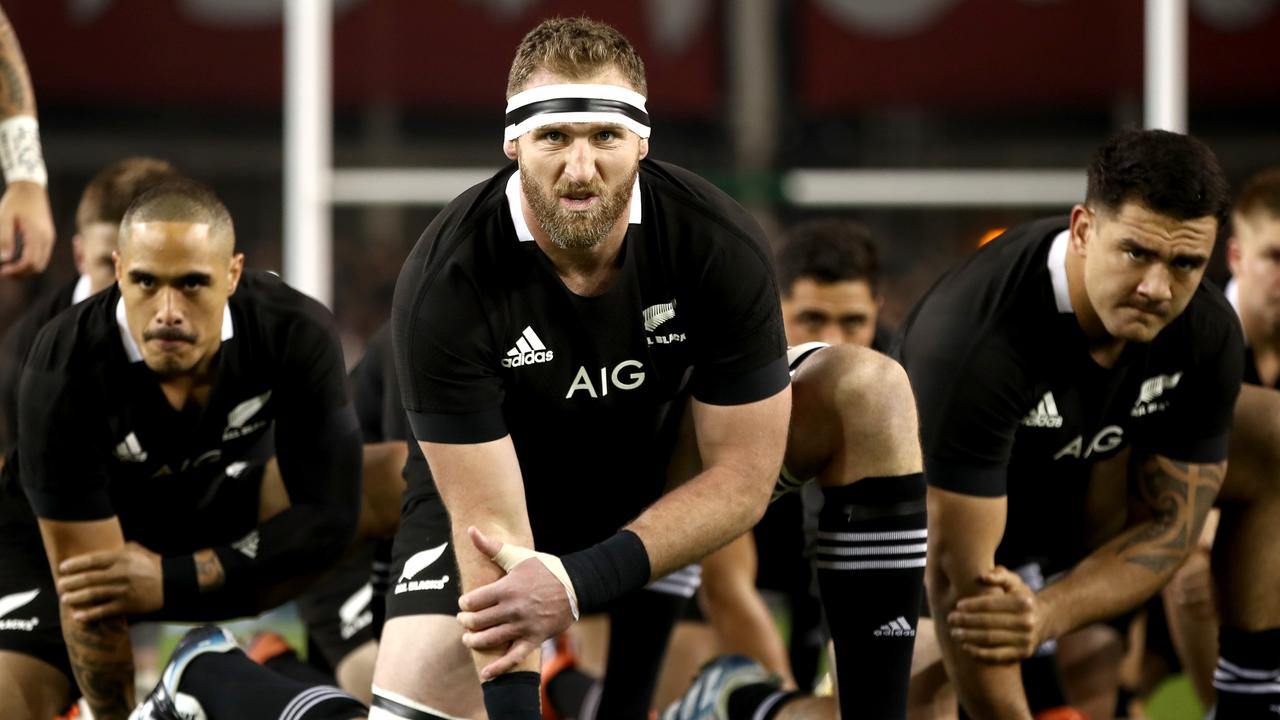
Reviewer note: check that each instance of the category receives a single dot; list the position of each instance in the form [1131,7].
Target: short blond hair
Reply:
[576,48]
[1260,194]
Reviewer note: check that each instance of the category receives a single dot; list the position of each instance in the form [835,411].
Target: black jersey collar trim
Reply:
[517,214]
[1057,263]
[131,348]
[81,291]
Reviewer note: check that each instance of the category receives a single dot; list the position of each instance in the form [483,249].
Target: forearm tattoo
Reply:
[209,572]
[1177,498]
[14,90]
[102,659]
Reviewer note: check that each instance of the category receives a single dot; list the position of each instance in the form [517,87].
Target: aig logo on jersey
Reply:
[1149,395]
[529,350]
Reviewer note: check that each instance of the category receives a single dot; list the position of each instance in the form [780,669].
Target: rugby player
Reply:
[1068,344]
[102,206]
[26,223]
[545,328]
[145,417]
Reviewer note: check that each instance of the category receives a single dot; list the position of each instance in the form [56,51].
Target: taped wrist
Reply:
[608,570]
[20,156]
[512,555]
[178,580]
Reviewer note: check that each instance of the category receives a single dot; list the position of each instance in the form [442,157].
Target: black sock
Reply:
[1248,662]
[640,625]
[230,685]
[513,696]
[808,639]
[567,691]
[870,560]
[759,701]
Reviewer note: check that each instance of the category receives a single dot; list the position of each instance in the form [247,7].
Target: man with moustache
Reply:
[145,417]
[572,334]
[1075,368]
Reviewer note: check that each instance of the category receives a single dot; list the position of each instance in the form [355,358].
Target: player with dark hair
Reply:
[572,334]
[829,272]
[1062,348]
[102,207]
[146,415]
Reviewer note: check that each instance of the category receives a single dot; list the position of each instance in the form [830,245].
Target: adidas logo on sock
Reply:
[896,628]
[529,350]
[1044,414]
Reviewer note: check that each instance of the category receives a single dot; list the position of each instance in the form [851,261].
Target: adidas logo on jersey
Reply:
[896,628]
[1044,414]
[529,350]
[130,450]
[9,603]
[416,564]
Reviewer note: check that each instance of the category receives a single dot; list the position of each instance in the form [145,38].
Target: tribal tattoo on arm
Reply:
[15,83]
[102,659]
[209,572]
[1173,498]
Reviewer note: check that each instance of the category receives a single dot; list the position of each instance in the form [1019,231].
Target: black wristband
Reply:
[513,696]
[607,570]
[178,579]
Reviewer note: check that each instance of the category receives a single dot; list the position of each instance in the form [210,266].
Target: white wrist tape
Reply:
[512,555]
[20,156]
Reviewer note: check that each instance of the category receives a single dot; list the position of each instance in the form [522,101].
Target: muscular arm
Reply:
[16,97]
[964,532]
[24,208]
[100,651]
[481,486]
[1169,502]
[741,447]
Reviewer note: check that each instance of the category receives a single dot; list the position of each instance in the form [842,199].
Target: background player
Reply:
[25,219]
[143,414]
[102,207]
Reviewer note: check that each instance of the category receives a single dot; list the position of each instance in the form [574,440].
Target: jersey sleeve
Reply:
[741,354]
[1197,426]
[61,449]
[446,359]
[969,397]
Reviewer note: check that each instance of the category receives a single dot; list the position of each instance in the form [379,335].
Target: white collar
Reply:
[517,212]
[131,348]
[1057,263]
[81,291]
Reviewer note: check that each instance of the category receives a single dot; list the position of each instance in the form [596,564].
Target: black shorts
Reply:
[29,622]
[424,576]
[339,609]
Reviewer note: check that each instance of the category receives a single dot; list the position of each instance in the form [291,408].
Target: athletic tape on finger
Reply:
[512,555]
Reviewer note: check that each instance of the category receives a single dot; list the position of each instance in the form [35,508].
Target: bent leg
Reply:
[32,689]
[422,661]
[854,428]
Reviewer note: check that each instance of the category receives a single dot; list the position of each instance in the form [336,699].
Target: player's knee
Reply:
[872,396]
[30,694]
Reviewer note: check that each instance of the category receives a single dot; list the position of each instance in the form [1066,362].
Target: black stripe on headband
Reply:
[577,105]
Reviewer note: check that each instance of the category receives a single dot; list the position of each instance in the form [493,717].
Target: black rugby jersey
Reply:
[97,437]
[490,342]
[18,340]
[1011,402]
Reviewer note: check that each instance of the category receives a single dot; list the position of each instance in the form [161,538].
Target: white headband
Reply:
[576,103]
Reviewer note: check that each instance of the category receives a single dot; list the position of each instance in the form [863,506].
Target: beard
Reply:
[582,229]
